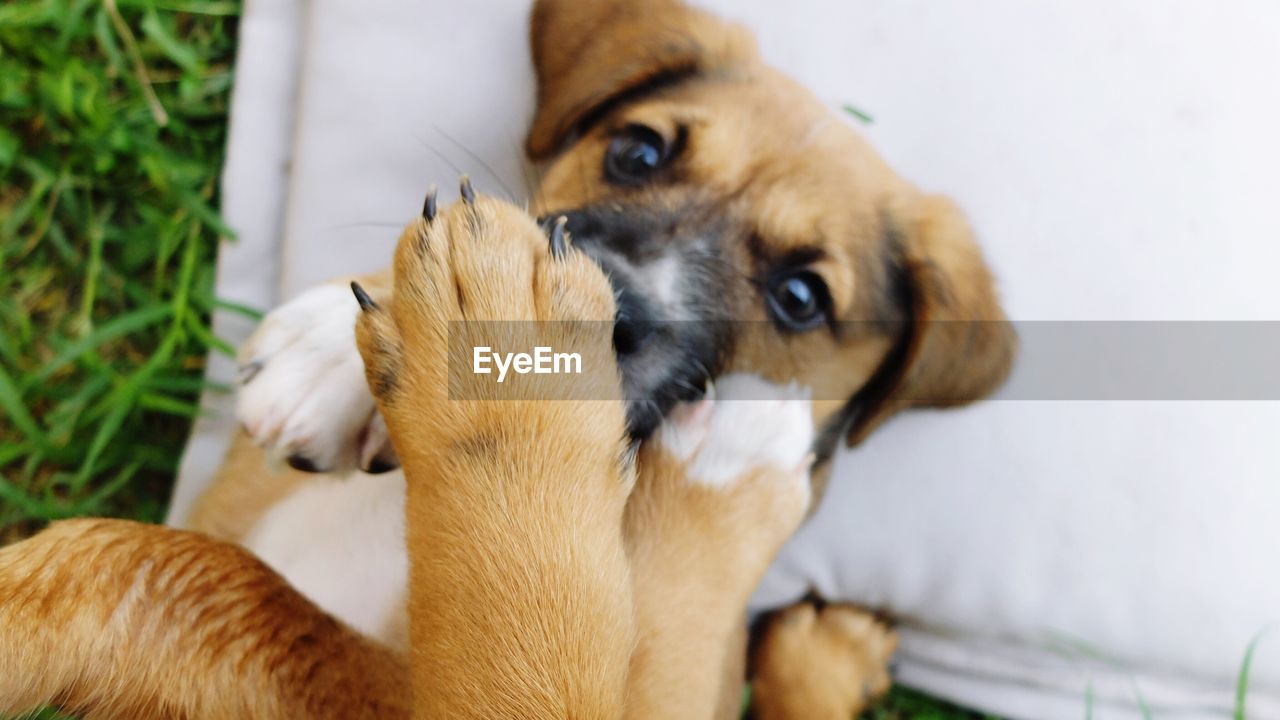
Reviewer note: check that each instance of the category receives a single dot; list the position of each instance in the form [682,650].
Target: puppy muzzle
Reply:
[670,329]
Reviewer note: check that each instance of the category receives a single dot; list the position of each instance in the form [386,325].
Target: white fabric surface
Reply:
[1119,160]
[255,187]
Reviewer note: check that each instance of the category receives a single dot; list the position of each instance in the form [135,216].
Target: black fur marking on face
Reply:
[768,260]
[671,334]
[888,282]
[887,290]
[653,85]
[869,397]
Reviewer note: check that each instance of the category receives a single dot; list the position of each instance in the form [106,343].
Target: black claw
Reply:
[366,303]
[468,192]
[249,371]
[429,205]
[558,244]
[302,464]
[377,466]
[812,597]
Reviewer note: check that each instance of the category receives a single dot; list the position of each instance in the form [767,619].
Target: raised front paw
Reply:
[752,439]
[302,391]
[822,662]
[487,305]
[732,469]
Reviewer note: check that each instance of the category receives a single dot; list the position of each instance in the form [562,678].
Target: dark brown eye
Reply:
[634,154]
[798,300]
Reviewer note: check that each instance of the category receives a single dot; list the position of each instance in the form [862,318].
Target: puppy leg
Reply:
[245,488]
[722,485]
[115,619]
[823,663]
[519,592]
[302,393]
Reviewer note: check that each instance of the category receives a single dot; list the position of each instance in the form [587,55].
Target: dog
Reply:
[529,522]
[743,227]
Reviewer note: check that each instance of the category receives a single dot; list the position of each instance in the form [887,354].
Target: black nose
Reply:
[611,244]
[580,225]
[633,326]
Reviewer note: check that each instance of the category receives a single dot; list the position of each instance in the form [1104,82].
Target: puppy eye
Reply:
[798,300]
[634,155]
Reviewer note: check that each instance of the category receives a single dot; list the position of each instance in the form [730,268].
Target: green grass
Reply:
[112,126]
[904,704]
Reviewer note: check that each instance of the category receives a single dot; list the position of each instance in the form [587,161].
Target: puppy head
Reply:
[747,227]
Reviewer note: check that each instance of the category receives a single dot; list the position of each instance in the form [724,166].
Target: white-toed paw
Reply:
[745,423]
[302,389]
[740,464]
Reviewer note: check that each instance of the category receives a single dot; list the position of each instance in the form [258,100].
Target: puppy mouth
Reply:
[653,389]
[669,333]
[662,364]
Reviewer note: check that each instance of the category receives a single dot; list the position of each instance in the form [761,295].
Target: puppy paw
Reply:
[745,423]
[481,274]
[302,391]
[730,473]
[825,663]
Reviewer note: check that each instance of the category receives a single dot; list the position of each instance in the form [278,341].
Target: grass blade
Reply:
[126,324]
[11,402]
[862,115]
[1242,682]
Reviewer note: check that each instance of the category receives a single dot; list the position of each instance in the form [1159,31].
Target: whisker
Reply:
[362,225]
[443,158]
[689,386]
[496,177]
[532,173]
[533,180]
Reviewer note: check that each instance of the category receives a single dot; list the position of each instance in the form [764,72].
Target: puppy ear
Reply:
[958,345]
[589,53]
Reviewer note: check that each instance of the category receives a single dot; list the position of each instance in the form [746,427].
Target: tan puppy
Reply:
[521,598]
[744,226]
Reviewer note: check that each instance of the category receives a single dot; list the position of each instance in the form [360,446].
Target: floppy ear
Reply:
[958,346]
[589,53]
